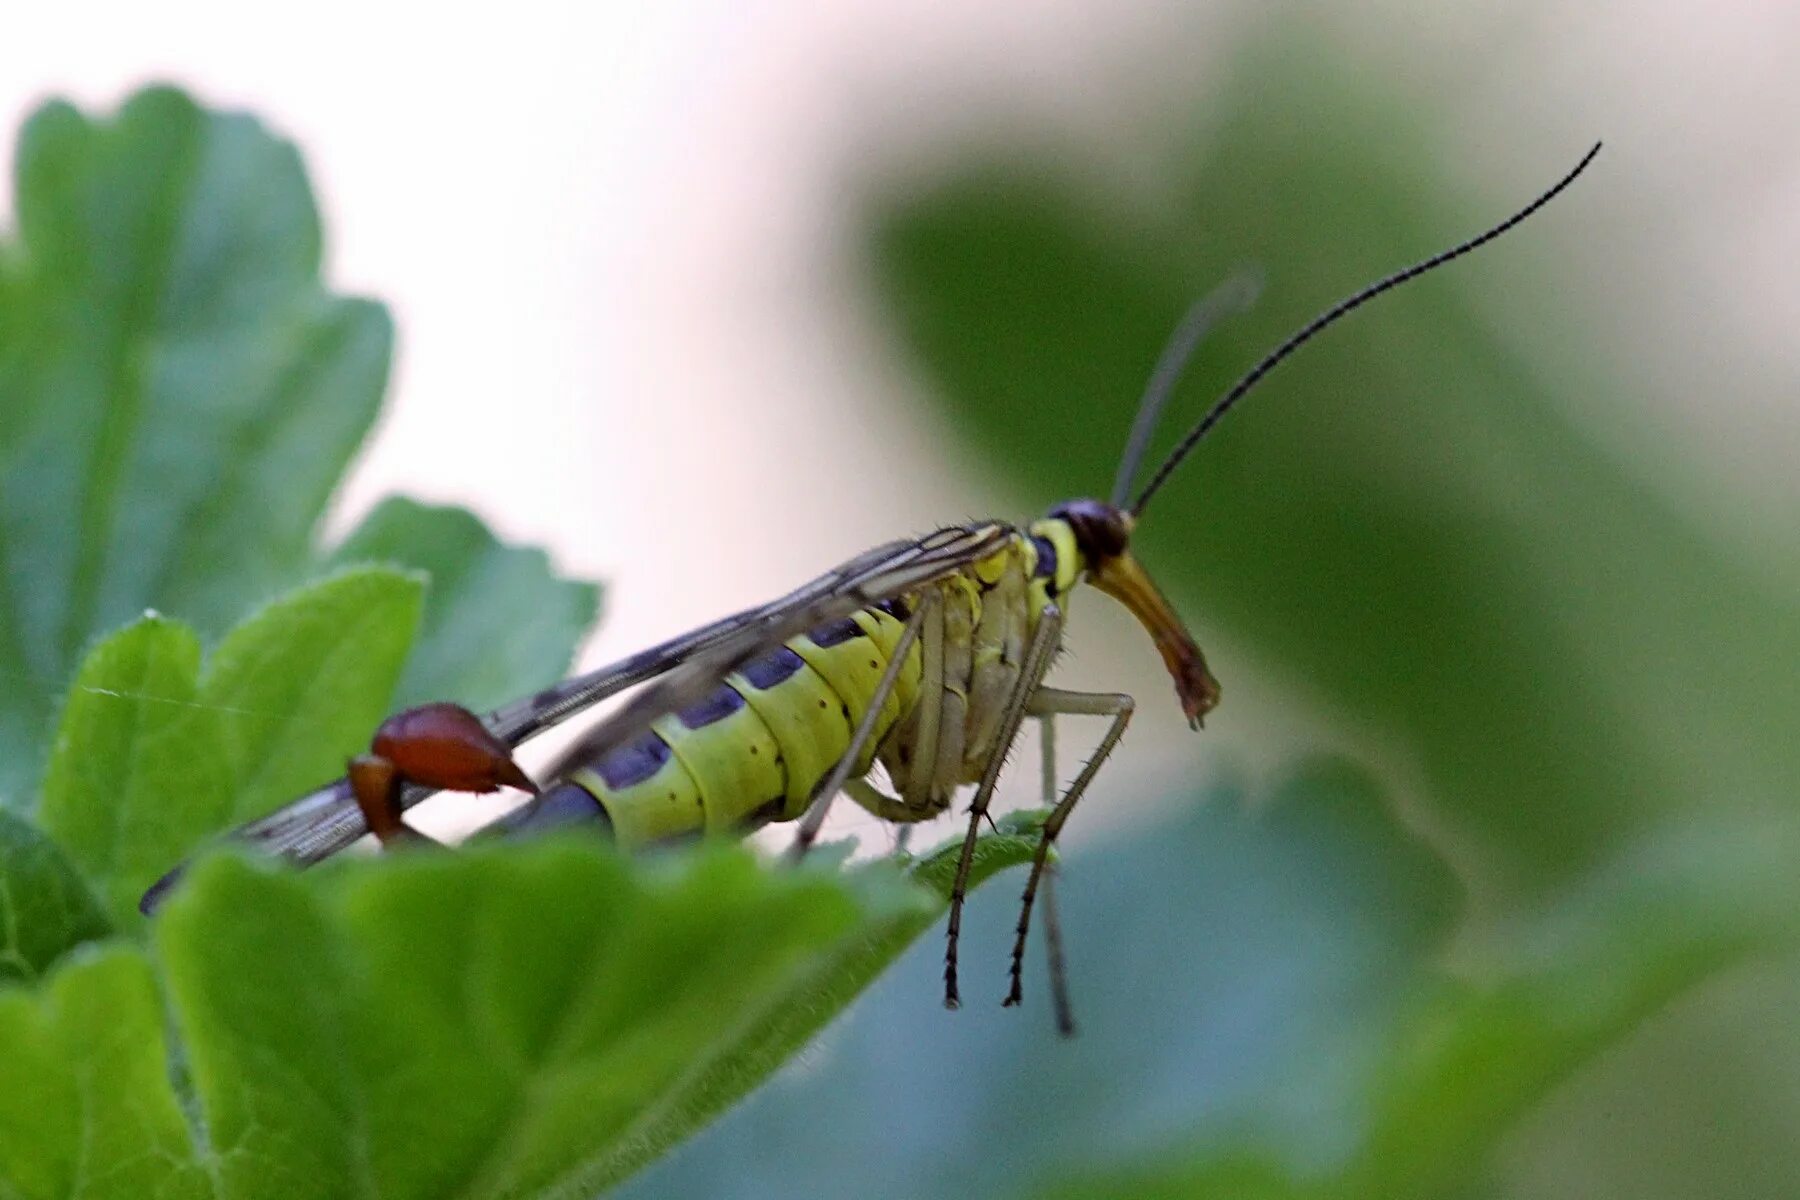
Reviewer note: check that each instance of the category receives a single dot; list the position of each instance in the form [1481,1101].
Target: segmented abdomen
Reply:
[754,750]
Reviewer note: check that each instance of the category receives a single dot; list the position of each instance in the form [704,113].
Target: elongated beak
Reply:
[1123,579]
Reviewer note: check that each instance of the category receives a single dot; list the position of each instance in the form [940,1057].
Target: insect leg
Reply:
[917,793]
[1053,940]
[1052,701]
[1038,655]
[888,808]
[1053,948]
[814,818]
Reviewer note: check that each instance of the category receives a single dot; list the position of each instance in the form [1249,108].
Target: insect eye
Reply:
[1101,530]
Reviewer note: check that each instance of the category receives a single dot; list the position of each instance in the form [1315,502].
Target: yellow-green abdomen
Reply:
[754,750]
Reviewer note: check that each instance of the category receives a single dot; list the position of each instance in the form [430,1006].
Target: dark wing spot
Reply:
[633,762]
[721,704]
[776,666]
[835,633]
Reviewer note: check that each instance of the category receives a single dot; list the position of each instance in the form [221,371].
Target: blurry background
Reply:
[706,297]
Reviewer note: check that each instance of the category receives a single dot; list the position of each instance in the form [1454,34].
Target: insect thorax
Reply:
[990,610]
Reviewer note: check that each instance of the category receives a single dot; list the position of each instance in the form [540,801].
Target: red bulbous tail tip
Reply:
[437,746]
[446,746]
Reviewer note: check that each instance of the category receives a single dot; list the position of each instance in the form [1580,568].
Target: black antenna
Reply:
[1342,308]
[1233,296]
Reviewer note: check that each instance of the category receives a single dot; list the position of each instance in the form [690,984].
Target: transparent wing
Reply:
[869,579]
[327,820]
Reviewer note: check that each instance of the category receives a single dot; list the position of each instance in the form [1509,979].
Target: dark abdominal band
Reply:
[565,806]
[568,805]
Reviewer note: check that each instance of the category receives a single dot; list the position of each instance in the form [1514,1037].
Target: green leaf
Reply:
[499,623]
[139,772]
[544,1018]
[1265,1012]
[45,908]
[86,1108]
[1474,1052]
[790,1020]
[510,1021]
[1233,970]
[150,760]
[301,685]
[178,393]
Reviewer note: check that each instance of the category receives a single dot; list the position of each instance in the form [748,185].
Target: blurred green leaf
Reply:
[831,981]
[1700,1101]
[178,393]
[86,1108]
[501,623]
[1235,972]
[1471,1056]
[1266,1012]
[45,908]
[544,1018]
[1407,516]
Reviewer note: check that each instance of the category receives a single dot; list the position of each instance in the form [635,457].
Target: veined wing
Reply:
[327,819]
[522,720]
[864,581]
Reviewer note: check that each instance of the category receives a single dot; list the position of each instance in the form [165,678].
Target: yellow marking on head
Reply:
[1069,563]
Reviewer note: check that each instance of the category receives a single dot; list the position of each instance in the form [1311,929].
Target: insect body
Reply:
[918,682]
[932,682]
[924,656]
